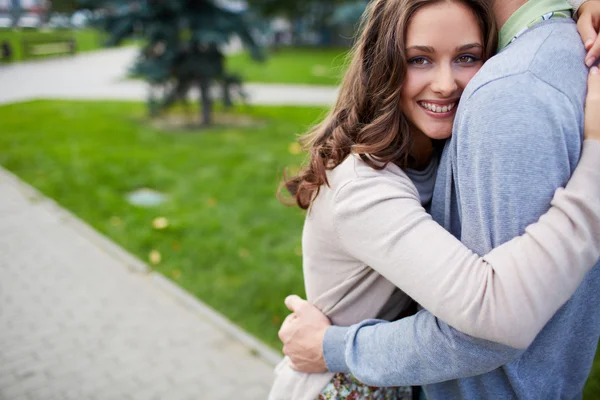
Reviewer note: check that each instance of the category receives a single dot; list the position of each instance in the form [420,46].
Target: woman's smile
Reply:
[439,109]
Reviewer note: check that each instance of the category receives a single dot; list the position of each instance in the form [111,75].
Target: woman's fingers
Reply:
[592,106]
[593,53]
[586,30]
[588,26]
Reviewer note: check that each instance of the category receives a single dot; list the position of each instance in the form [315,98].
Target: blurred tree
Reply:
[182,50]
[291,8]
[312,15]
[349,13]
[15,12]
[64,6]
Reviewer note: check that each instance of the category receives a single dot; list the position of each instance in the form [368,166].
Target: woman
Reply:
[400,94]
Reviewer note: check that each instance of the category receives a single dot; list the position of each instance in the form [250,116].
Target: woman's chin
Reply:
[439,134]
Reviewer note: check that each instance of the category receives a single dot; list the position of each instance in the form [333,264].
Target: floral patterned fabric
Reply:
[345,386]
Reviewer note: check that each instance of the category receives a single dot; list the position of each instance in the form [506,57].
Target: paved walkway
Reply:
[82,319]
[100,75]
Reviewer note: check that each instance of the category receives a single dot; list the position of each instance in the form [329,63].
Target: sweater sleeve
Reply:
[507,168]
[508,295]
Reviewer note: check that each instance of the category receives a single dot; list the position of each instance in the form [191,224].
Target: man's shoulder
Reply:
[550,54]
[529,98]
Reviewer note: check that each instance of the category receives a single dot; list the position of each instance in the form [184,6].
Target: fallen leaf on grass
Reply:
[116,221]
[295,148]
[211,202]
[160,223]
[154,257]
[244,253]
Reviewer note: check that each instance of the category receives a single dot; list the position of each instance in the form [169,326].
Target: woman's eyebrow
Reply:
[469,46]
[425,49]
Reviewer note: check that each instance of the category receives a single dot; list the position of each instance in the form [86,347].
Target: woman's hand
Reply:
[588,25]
[592,106]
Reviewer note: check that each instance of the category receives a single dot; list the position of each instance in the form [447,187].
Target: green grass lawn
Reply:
[314,66]
[87,39]
[229,240]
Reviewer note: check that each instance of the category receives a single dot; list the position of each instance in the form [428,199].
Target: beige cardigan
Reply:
[367,234]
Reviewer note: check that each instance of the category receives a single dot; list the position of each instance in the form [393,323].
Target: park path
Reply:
[80,318]
[100,75]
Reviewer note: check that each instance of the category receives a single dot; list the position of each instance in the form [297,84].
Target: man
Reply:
[517,137]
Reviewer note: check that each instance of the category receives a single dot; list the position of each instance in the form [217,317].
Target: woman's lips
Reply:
[437,109]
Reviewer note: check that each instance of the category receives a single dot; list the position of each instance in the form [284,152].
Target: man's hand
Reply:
[302,334]
[588,25]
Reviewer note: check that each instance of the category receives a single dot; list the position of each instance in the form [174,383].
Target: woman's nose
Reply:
[444,83]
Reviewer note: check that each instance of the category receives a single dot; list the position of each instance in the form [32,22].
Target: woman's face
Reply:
[444,50]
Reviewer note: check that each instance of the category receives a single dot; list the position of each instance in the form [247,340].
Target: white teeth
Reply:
[438,109]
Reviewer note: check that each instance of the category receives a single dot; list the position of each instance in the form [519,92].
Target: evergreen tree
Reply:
[182,46]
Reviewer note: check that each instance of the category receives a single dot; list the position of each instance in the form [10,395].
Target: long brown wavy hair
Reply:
[367,118]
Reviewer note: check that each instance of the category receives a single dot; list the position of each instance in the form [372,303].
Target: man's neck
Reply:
[504,9]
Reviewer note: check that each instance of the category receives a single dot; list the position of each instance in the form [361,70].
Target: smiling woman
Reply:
[409,52]
[438,70]
[368,243]
[444,48]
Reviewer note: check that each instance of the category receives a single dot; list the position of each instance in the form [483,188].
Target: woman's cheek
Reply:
[415,82]
[466,74]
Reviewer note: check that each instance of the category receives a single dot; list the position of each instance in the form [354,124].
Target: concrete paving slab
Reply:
[77,322]
[100,75]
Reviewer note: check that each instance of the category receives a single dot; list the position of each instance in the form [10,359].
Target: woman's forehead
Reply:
[443,24]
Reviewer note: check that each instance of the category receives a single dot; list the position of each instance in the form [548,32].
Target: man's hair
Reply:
[367,119]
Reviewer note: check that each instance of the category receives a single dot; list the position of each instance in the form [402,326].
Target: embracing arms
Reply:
[508,295]
[385,354]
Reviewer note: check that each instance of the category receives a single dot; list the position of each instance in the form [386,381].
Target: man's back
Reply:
[517,138]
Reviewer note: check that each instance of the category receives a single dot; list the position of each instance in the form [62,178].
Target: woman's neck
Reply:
[421,151]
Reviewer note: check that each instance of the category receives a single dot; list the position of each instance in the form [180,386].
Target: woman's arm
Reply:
[508,295]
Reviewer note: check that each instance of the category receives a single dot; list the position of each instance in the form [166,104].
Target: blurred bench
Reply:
[48,46]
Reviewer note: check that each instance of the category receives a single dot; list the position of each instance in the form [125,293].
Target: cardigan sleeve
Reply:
[506,296]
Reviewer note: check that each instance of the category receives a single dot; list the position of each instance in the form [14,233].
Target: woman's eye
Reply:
[466,59]
[418,61]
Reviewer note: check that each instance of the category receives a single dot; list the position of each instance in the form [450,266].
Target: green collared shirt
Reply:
[524,16]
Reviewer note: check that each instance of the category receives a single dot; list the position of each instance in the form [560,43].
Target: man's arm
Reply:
[418,350]
[513,152]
